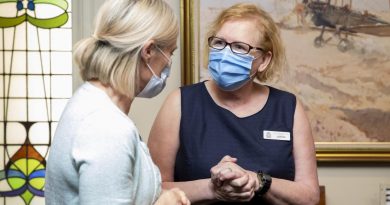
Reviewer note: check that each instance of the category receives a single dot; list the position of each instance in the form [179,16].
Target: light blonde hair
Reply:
[112,54]
[270,41]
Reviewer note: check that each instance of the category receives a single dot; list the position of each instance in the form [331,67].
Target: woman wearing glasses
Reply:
[231,139]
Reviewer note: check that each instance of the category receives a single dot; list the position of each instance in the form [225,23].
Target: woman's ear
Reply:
[266,60]
[148,50]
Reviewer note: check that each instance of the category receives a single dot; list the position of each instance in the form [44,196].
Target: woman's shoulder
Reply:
[192,87]
[193,91]
[280,92]
[106,123]
[282,98]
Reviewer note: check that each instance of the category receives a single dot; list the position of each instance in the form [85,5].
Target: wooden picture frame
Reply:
[354,150]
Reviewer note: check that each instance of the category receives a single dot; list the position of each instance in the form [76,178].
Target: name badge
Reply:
[274,135]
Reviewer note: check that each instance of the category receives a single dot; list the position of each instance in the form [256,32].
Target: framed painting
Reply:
[338,54]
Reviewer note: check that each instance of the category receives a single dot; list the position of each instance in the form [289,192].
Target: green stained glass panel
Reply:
[35,84]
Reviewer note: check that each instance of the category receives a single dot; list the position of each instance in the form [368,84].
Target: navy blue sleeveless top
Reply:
[208,132]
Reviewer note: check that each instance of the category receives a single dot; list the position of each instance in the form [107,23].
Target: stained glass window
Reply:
[35,84]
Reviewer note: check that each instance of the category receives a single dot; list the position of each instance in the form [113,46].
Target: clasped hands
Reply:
[231,182]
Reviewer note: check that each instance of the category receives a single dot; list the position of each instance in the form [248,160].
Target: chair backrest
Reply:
[322,196]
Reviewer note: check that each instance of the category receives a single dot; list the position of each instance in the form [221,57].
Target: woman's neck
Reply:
[121,101]
[238,95]
[246,101]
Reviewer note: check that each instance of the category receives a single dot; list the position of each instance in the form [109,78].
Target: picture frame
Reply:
[360,148]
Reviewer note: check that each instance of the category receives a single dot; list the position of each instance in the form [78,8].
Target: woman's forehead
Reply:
[241,30]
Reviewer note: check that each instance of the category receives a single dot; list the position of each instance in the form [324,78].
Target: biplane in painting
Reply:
[340,18]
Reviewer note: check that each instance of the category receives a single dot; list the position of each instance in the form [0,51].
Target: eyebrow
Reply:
[233,41]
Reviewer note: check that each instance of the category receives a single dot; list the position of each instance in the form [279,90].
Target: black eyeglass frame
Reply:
[226,43]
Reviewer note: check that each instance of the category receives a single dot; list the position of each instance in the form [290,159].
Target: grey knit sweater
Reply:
[97,156]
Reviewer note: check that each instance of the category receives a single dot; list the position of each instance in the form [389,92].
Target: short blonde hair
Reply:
[271,40]
[112,54]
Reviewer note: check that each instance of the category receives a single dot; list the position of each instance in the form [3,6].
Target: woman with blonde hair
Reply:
[97,155]
[264,129]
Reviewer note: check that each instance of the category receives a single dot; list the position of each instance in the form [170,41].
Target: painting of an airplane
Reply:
[340,18]
[344,19]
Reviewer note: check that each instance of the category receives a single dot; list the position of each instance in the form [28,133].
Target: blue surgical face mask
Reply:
[156,84]
[230,71]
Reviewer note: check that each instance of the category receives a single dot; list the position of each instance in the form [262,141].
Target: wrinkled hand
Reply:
[172,197]
[231,182]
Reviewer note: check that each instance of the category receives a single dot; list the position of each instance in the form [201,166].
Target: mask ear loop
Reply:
[251,76]
[254,74]
[166,57]
[151,70]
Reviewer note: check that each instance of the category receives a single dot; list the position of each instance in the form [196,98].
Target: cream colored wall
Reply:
[345,184]
[354,185]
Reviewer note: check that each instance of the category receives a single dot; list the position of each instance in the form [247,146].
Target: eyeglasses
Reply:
[235,47]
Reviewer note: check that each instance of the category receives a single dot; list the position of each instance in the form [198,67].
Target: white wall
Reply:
[345,184]
[355,184]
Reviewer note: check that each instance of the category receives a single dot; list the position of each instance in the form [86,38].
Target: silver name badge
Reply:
[274,135]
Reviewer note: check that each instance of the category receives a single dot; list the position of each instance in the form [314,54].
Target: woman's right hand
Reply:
[172,197]
[231,182]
